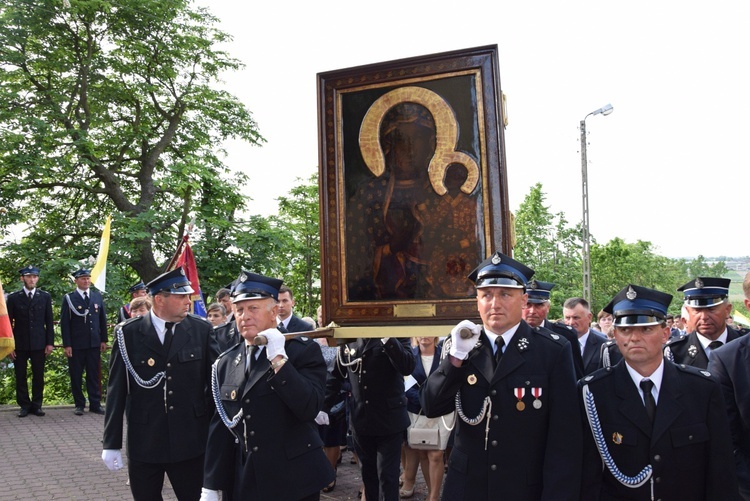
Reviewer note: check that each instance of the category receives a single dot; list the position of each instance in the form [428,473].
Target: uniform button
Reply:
[171,407]
[247,401]
[191,355]
[170,392]
[252,433]
[169,378]
[367,401]
[364,372]
[657,458]
[247,418]
[493,467]
[657,480]
[493,393]
[365,387]
[309,445]
[255,449]
[690,437]
[169,364]
[495,417]
[494,443]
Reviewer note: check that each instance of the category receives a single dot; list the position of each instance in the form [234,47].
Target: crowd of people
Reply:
[248,405]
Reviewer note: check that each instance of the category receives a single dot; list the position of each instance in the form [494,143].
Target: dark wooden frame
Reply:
[468,81]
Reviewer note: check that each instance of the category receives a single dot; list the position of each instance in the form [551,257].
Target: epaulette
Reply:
[551,335]
[130,320]
[678,339]
[596,375]
[695,371]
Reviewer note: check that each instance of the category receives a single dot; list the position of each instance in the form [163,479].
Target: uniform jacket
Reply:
[730,365]
[688,349]
[275,452]
[32,322]
[592,351]
[296,324]
[531,454]
[379,401]
[83,331]
[689,446]
[570,334]
[161,428]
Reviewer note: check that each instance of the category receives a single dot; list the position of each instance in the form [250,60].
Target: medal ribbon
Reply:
[537,392]
[520,392]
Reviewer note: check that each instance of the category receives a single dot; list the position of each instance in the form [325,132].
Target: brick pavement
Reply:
[58,457]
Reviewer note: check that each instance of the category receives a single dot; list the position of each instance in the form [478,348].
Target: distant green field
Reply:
[735,288]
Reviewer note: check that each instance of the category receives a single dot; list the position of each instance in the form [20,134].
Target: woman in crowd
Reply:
[427,358]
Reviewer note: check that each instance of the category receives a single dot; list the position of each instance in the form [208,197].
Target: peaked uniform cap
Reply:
[538,291]
[705,292]
[500,270]
[254,286]
[83,272]
[173,282]
[137,287]
[638,306]
[29,270]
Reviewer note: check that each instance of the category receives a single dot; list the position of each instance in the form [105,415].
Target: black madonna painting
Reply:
[412,184]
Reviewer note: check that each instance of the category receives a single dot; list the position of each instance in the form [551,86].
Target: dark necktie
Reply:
[499,342]
[714,344]
[250,357]
[648,399]
[86,297]
[168,335]
[31,296]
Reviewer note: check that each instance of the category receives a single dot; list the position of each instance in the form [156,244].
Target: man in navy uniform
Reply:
[159,378]
[137,290]
[518,425]
[660,429]
[30,314]
[263,442]
[707,303]
[535,314]
[730,365]
[83,322]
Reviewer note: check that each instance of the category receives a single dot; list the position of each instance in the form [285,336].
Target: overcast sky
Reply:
[668,166]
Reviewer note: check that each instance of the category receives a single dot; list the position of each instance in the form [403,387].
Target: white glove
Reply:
[113,459]
[210,495]
[461,347]
[322,418]
[276,341]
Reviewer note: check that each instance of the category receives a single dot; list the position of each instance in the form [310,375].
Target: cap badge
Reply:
[617,438]
[472,379]
[698,283]
[532,284]
[693,350]
[631,294]
[523,344]
[496,259]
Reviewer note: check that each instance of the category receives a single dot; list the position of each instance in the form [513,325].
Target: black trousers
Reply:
[147,479]
[37,378]
[380,457]
[88,359]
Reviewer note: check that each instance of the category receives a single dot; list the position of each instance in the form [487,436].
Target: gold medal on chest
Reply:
[617,438]
[520,406]
[151,362]
[472,379]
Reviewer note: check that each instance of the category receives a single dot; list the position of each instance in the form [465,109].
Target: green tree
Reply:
[545,243]
[299,220]
[110,108]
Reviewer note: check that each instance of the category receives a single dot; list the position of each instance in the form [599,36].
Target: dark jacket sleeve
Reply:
[49,322]
[65,322]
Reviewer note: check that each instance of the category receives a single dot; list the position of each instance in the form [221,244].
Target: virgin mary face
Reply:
[408,140]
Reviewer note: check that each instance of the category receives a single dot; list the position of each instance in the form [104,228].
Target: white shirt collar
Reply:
[507,336]
[655,378]
[82,291]
[582,339]
[705,341]
[284,322]
[27,291]
[160,325]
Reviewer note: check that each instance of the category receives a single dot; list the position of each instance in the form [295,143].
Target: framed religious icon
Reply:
[413,187]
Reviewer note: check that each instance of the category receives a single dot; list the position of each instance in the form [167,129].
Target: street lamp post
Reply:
[604,110]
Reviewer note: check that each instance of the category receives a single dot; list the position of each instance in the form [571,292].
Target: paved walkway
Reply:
[58,456]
